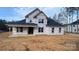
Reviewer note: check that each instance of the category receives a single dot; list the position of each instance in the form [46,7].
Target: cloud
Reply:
[50,11]
[20,12]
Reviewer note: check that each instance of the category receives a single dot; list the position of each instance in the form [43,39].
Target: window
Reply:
[41,20]
[59,30]
[73,25]
[40,29]
[30,21]
[74,29]
[52,30]
[19,29]
[78,29]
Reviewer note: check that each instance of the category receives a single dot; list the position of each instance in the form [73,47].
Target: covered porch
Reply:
[23,29]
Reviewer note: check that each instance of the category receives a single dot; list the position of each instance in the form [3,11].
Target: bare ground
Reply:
[67,42]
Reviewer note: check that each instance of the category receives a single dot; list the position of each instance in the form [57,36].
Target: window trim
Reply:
[19,29]
[53,30]
[60,30]
[73,25]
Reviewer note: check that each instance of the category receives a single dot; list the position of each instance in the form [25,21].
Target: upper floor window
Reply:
[52,30]
[73,25]
[59,30]
[74,29]
[41,20]
[30,21]
[19,29]
[40,29]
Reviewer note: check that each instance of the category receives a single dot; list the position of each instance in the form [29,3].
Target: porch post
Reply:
[13,30]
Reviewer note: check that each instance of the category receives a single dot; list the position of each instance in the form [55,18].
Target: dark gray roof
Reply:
[51,22]
[22,22]
[76,22]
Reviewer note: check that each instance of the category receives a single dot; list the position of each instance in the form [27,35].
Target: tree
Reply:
[55,17]
[62,16]
[70,11]
[3,27]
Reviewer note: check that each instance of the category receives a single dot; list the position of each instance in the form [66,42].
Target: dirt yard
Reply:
[67,42]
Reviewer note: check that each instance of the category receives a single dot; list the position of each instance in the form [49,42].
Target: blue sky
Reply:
[18,13]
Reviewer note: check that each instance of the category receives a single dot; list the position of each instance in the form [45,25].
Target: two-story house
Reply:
[36,23]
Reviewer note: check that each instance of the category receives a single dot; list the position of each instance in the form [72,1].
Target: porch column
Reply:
[14,30]
[9,29]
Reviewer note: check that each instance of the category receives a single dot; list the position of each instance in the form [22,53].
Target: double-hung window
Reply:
[52,30]
[59,30]
[40,29]
[19,29]
[41,20]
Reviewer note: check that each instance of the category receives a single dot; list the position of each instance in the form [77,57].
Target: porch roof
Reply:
[21,24]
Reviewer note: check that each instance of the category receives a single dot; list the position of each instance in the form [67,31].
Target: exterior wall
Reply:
[73,28]
[56,31]
[14,32]
[41,16]
[31,17]
[48,31]
[36,20]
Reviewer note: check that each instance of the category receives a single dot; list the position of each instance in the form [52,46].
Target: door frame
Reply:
[30,30]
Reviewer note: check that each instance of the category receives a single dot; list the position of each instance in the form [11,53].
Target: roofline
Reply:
[40,13]
[55,25]
[31,12]
[17,25]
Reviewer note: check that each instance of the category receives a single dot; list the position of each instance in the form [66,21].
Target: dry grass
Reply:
[39,43]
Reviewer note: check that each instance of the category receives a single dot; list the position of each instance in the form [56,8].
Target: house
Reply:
[73,27]
[36,23]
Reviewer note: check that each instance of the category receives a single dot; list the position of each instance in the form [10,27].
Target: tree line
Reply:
[3,26]
[71,11]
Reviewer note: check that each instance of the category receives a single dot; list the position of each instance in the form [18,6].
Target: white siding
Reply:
[73,29]
[41,16]
[31,17]
[56,31]
[25,31]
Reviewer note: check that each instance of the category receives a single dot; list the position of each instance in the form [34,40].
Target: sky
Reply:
[18,13]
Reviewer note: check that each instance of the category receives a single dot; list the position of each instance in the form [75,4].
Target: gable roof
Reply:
[31,12]
[51,22]
[76,22]
[40,13]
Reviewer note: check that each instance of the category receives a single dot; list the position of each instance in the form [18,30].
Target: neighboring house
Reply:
[73,27]
[36,23]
